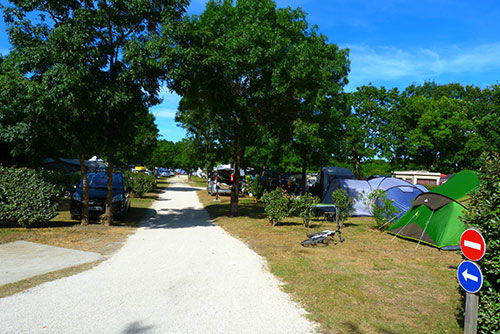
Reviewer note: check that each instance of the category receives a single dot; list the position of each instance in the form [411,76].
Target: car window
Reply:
[101,181]
[225,176]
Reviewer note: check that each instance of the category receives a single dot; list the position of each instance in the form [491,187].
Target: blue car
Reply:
[97,183]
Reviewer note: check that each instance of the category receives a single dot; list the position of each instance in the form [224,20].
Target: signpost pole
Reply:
[471,307]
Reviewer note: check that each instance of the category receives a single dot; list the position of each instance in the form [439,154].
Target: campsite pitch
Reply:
[370,283]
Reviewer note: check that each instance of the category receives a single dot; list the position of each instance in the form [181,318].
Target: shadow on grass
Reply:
[353,328]
[246,209]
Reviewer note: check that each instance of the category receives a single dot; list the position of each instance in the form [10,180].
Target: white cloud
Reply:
[162,111]
[386,64]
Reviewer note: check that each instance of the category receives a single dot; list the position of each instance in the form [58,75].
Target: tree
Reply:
[361,141]
[485,215]
[207,132]
[96,56]
[244,61]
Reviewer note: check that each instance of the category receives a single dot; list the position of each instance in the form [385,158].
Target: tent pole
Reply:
[395,235]
[426,224]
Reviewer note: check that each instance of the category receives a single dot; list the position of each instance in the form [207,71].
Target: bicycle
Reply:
[321,237]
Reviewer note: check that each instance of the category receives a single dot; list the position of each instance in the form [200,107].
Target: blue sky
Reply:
[392,43]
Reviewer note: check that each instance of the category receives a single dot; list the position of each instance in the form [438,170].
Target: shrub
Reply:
[304,206]
[63,181]
[276,205]
[26,198]
[484,214]
[381,207]
[344,205]
[256,187]
[140,183]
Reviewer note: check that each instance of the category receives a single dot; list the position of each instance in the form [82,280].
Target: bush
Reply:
[304,206]
[344,205]
[276,205]
[381,207]
[63,181]
[484,214]
[26,198]
[140,183]
[256,187]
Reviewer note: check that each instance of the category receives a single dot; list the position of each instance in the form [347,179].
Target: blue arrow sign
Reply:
[470,276]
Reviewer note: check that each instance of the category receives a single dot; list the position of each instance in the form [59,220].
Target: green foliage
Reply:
[61,180]
[381,207]
[303,206]
[276,205]
[344,205]
[256,187]
[239,87]
[484,214]
[25,197]
[140,183]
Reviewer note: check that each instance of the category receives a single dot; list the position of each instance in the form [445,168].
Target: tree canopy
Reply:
[249,65]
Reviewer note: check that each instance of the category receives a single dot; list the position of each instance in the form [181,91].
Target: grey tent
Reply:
[329,181]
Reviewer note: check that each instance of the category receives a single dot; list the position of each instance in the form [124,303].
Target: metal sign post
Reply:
[471,307]
[469,275]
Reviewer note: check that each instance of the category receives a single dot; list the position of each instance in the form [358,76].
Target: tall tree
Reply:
[101,53]
[361,140]
[243,61]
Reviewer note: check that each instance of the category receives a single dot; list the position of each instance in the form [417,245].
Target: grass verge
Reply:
[371,283]
[62,231]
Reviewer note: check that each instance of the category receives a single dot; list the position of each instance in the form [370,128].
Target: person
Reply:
[284,184]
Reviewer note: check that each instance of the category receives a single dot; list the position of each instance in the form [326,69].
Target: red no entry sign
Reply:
[472,244]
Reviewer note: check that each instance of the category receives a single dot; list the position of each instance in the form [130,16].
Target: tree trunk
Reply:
[357,168]
[85,187]
[236,169]
[304,167]
[108,215]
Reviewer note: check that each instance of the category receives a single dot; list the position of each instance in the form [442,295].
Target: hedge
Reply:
[26,198]
[140,183]
[485,215]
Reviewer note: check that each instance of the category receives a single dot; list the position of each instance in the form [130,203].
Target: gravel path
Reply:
[178,273]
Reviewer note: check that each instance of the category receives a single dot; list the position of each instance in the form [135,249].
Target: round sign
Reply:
[470,276]
[472,244]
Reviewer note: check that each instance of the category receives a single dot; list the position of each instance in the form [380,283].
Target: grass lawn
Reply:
[198,182]
[370,283]
[62,231]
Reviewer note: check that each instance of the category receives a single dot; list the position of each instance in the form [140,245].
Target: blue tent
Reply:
[329,179]
[401,192]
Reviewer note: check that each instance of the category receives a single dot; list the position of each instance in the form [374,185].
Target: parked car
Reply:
[221,181]
[97,183]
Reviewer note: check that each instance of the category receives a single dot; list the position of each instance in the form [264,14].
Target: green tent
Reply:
[434,217]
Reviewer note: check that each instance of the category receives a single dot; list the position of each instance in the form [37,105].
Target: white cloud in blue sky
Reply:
[383,65]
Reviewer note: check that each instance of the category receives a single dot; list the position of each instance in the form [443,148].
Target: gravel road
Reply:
[178,273]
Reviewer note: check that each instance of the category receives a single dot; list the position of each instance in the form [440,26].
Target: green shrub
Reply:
[344,205]
[62,180]
[140,183]
[26,198]
[484,214]
[276,205]
[256,187]
[303,206]
[381,207]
